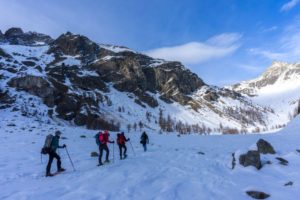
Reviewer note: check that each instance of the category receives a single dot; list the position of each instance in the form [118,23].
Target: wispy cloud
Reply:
[250,68]
[270,29]
[286,47]
[198,52]
[289,5]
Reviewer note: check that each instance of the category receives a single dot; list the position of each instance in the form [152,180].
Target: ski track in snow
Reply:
[171,169]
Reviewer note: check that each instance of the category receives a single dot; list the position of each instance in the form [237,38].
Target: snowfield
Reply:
[173,168]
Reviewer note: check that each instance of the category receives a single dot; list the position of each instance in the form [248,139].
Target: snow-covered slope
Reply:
[186,167]
[278,88]
[88,84]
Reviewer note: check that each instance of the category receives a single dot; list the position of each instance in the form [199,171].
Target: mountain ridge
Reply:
[81,81]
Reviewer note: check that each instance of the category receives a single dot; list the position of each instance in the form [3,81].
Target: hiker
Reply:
[121,140]
[104,139]
[52,154]
[144,140]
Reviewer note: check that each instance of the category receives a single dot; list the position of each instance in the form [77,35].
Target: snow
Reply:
[171,169]
[115,49]
[282,95]
[70,61]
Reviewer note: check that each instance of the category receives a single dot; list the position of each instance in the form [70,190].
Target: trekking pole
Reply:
[132,148]
[70,158]
[41,158]
[113,152]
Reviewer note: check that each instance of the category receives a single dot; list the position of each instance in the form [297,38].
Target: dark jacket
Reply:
[55,143]
[144,139]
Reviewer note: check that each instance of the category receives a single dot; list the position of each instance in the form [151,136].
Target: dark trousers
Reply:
[101,148]
[53,155]
[145,146]
[121,146]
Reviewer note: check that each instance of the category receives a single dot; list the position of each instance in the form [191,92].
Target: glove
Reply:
[128,139]
[113,142]
[64,146]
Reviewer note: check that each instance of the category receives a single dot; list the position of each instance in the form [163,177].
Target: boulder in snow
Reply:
[290,183]
[251,158]
[94,154]
[258,194]
[282,161]
[264,147]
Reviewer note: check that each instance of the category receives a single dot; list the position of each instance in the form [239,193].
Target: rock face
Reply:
[251,158]
[258,194]
[36,86]
[264,147]
[16,36]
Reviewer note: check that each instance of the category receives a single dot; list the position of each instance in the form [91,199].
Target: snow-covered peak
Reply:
[280,77]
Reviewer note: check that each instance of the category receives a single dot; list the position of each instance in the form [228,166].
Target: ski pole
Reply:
[41,158]
[113,152]
[132,148]
[70,158]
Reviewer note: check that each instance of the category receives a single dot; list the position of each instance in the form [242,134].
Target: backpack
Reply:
[120,139]
[47,145]
[97,138]
[103,138]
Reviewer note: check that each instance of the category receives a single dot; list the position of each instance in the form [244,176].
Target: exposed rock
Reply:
[70,44]
[258,194]
[298,150]
[290,183]
[201,153]
[264,147]
[28,63]
[233,163]
[83,136]
[16,36]
[4,54]
[282,161]
[94,154]
[36,86]
[13,32]
[11,124]
[67,106]
[80,119]
[6,100]
[252,158]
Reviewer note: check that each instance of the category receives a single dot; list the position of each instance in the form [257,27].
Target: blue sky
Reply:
[223,41]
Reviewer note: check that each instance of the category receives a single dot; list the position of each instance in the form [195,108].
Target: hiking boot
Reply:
[100,164]
[49,175]
[125,156]
[61,170]
[106,161]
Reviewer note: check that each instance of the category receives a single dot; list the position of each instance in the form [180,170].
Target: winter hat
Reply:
[57,133]
[106,131]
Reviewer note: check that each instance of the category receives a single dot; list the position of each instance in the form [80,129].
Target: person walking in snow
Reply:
[52,154]
[104,139]
[144,140]
[121,140]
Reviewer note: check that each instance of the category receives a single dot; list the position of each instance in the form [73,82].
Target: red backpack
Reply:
[103,138]
[120,139]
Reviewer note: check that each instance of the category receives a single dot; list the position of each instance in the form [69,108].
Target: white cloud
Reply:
[198,52]
[268,54]
[273,28]
[289,5]
[250,68]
